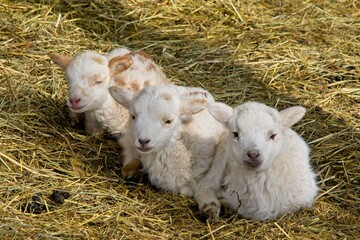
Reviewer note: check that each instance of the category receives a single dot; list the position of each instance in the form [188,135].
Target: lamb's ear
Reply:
[191,106]
[61,60]
[196,92]
[121,95]
[119,64]
[221,112]
[291,115]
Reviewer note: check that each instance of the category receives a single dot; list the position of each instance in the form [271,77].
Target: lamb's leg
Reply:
[206,197]
[131,169]
[131,159]
[132,165]
[77,119]
[208,186]
[209,205]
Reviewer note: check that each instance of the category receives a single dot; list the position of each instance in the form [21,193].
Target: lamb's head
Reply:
[256,131]
[156,113]
[89,77]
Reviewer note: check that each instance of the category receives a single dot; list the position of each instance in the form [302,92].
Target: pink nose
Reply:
[74,101]
[143,142]
[253,154]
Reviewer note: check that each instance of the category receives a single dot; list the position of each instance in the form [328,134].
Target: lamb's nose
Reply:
[143,142]
[253,154]
[74,101]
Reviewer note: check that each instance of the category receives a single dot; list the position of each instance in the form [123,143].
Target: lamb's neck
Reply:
[112,116]
[167,156]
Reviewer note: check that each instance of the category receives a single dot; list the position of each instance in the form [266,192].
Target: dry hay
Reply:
[282,53]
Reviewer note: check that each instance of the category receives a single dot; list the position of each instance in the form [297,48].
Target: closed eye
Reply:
[97,79]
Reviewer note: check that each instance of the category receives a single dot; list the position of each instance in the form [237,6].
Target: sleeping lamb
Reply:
[89,76]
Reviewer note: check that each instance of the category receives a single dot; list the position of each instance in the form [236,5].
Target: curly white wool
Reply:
[262,167]
[165,132]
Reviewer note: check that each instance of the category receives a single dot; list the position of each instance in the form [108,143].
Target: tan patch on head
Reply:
[134,87]
[95,78]
[144,54]
[120,64]
[147,83]
[84,93]
[150,67]
[119,81]
[166,96]
[98,59]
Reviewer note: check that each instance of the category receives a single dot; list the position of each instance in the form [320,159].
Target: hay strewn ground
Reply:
[281,52]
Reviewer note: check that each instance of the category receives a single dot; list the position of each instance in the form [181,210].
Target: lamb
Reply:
[261,169]
[165,131]
[89,76]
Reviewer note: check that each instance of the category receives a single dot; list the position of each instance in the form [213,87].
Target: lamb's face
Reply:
[256,131]
[255,135]
[155,119]
[158,112]
[88,80]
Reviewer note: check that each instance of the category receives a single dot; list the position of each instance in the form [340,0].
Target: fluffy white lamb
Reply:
[89,76]
[261,169]
[174,137]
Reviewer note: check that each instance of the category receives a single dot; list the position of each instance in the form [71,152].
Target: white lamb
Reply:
[174,137]
[261,168]
[89,76]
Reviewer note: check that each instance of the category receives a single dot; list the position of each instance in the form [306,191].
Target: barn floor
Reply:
[282,53]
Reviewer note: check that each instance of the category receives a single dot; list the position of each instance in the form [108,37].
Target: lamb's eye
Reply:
[168,122]
[132,117]
[236,135]
[273,136]
[98,82]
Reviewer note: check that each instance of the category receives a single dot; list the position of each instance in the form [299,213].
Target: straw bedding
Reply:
[282,53]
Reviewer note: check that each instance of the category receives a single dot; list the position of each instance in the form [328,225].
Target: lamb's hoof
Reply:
[77,120]
[77,125]
[132,171]
[211,211]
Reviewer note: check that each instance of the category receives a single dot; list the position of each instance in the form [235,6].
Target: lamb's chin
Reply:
[80,110]
[144,150]
[253,165]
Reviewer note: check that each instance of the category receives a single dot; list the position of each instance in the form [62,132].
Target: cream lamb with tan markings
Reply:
[262,167]
[90,74]
[174,136]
